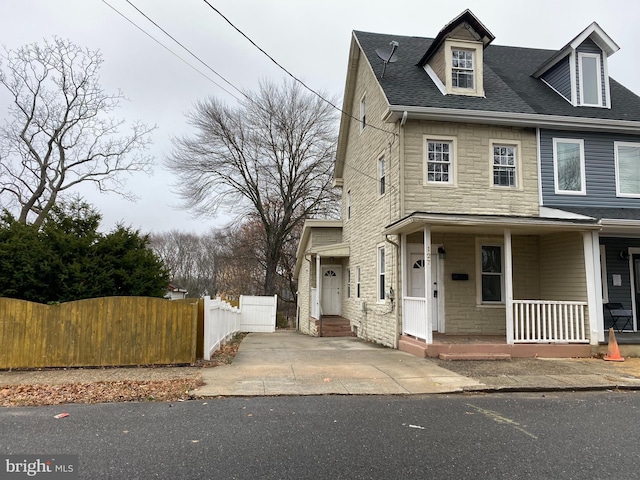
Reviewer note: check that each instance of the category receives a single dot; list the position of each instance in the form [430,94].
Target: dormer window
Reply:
[578,71]
[454,60]
[462,69]
[590,84]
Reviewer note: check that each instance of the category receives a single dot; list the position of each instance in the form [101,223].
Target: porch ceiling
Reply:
[487,224]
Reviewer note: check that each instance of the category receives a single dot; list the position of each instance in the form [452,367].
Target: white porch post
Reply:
[318,284]
[594,286]
[428,282]
[403,264]
[508,285]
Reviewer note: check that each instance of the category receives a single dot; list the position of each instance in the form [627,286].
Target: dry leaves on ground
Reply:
[98,392]
[115,391]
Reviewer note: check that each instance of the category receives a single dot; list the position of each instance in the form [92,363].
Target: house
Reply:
[175,293]
[489,194]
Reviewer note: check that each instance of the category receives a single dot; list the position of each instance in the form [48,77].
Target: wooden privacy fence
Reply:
[97,332]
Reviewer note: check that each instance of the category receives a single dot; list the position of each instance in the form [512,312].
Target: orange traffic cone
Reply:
[613,353]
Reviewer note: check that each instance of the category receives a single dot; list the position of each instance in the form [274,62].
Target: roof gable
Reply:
[465,20]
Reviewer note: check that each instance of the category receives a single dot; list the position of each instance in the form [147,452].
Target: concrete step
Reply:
[474,356]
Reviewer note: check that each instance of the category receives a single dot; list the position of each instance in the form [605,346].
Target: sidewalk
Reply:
[289,363]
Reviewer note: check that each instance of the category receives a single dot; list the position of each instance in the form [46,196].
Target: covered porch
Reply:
[517,286]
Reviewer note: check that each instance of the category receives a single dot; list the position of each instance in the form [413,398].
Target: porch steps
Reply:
[334,326]
[490,351]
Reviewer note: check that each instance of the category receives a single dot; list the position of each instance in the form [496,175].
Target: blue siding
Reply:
[618,266]
[559,77]
[588,46]
[600,173]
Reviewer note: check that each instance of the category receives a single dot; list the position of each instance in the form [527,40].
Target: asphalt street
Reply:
[558,435]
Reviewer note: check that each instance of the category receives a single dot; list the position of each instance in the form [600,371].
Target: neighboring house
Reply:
[175,293]
[480,186]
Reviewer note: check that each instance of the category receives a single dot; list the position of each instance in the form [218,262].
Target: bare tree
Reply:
[271,157]
[58,132]
[192,259]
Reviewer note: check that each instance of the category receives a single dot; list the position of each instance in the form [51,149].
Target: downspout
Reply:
[401,163]
[392,297]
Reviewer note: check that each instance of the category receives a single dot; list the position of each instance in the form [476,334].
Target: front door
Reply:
[416,284]
[331,299]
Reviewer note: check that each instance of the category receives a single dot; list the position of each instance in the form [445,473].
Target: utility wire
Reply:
[188,51]
[236,88]
[291,74]
[167,48]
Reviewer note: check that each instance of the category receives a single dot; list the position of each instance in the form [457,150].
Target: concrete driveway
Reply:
[290,363]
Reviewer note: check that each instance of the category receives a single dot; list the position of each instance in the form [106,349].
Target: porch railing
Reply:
[542,321]
[315,305]
[415,321]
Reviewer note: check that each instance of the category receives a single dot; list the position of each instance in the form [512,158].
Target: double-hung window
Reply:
[504,166]
[348,283]
[358,282]
[568,166]
[381,176]
[462,69]
[439,161]
[491,274]
[627,157]
[348,204]
[381,274]
[363,113]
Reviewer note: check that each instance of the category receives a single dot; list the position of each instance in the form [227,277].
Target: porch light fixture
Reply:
[442,253]
[624,254]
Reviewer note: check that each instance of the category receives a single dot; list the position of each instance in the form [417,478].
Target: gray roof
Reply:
[600,213]
[508,84]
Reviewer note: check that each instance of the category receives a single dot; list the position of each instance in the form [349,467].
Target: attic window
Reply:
[590,83]
[462,68]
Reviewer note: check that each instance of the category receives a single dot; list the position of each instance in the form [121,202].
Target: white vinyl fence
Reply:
[222,321]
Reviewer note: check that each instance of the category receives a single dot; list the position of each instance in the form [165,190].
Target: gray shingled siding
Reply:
[618,266]
[588,46]
[599,170]
[559,77]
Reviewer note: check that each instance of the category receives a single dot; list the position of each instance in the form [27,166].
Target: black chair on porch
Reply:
[619,314]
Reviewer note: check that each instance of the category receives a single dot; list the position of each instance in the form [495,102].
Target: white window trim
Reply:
[603,273]
[583,182]
[485,242]
[582,55]
[518,166]
[382,160]
[453,174]
[477,48]
[363,112]
[381,272]
[615,154]
[348,289]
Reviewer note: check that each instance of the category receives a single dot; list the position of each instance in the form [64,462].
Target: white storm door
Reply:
[416,267]
[416,283]
[331,282]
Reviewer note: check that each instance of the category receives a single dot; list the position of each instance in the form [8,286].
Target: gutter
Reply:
[397,112]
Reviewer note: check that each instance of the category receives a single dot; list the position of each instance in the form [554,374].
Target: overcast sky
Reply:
[309,37]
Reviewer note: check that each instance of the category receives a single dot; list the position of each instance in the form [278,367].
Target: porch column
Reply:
[428,284]
[593,275]
[319,284]
[508,285]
